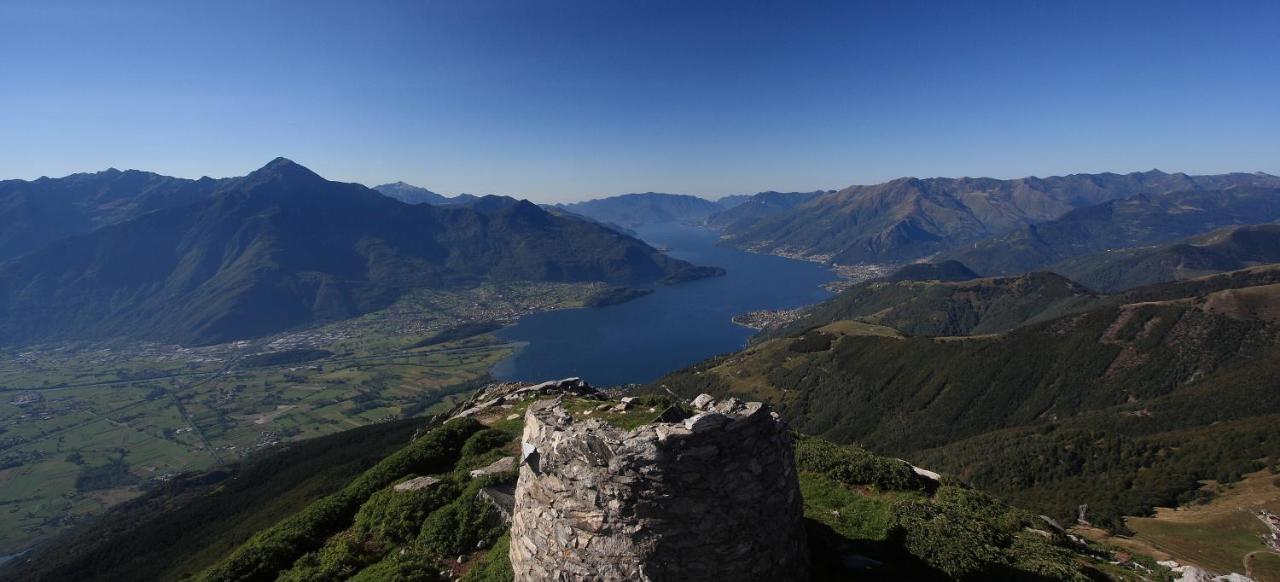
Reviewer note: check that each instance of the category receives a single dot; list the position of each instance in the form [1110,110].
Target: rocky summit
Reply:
[713,495]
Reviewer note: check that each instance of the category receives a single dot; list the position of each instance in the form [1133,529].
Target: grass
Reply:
[1266,567]
[1215,536]
[852,514]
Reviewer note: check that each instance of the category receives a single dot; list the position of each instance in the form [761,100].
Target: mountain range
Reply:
[38,212]
[1136,221]
[411,194]
[750,209]
[632,210]
[283,247]
[910,218]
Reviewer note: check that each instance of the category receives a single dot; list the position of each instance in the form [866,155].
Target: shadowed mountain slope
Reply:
[38,212]
[283,247]
[632,210]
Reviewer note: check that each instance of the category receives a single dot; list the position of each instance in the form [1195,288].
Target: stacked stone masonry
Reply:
[713,497]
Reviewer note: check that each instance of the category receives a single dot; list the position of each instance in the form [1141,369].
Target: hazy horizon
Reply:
[566,101]
[375,184]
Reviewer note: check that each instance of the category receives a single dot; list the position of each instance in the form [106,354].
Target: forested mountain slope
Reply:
[933,307]
[1175,380]
[1226,249]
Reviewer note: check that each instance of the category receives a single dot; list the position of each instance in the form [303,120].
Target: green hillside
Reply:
[1175,389]
[933,307]
[1227,249]
[866,515]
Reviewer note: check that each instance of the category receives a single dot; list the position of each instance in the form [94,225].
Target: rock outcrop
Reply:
[714,496]
[509,392]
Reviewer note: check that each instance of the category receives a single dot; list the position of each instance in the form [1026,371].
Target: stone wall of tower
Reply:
[712,497]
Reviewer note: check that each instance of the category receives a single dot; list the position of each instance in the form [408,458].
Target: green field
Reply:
[83,428]
[1218,535]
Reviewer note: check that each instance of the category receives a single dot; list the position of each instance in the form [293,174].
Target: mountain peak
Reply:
[280,164]
[284,169]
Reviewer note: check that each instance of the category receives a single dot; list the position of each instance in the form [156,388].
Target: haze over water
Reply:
[674,327]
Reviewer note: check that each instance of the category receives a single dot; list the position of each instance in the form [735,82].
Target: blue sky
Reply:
[560,101]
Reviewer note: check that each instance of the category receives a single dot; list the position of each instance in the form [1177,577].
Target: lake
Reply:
[674,327]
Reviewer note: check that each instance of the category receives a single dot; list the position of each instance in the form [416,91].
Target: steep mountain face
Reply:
[1138,221]
[950,308]
[1227,249]
[1124,407]
[632,210]
[411,194]
[283,247]
[911,218]
[751,209]
[38,212]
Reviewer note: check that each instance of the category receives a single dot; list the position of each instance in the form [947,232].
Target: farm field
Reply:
[85,427]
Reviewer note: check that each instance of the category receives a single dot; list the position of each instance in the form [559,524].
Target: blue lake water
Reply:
[674,327]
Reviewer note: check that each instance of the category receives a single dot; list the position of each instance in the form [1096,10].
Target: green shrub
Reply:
[274,549]
[394,517]
[855,466]
[969,536]
[459,526]
[483,442]
[402,567]
[340,557]
[495,566]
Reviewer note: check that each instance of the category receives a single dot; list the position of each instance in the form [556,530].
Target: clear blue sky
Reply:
[560,101]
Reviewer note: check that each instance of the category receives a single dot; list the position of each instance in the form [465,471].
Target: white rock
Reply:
[416,484]
[706,421]
[499,466]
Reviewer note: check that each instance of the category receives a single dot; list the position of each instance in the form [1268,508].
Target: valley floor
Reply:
[86,427]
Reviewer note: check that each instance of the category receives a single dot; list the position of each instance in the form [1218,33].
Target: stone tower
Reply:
[713,497]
